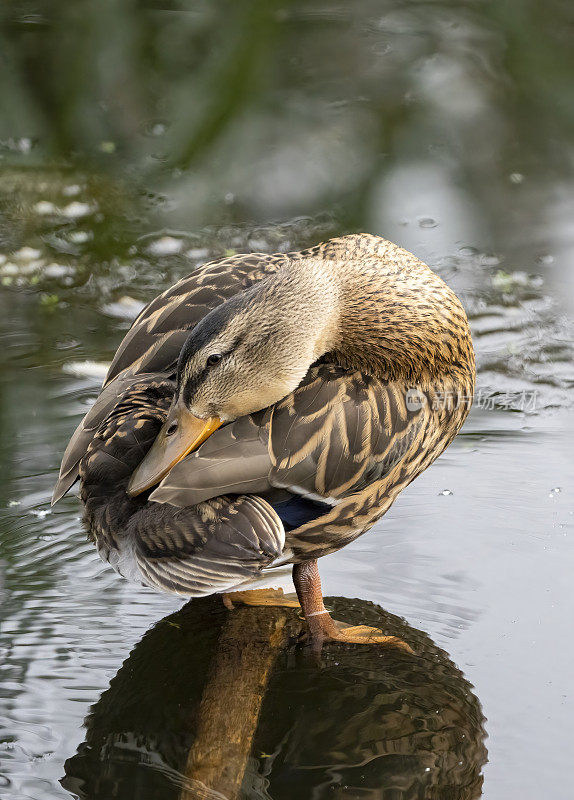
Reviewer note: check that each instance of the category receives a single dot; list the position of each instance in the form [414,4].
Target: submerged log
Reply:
[248,646]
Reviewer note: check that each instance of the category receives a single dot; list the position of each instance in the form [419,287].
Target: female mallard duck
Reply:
[268,409]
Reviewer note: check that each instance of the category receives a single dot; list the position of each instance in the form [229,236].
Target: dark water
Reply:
[138,140]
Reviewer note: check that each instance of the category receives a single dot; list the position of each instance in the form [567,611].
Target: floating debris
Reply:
[57,271]
[258,244]
[44,208]
[27,254]
[75,209]
[546,259]
[72,190]
[124,308]
[79,237]
[197,253]
[506,281]
[49,300]
[446,492]
[87,369]
[166,246]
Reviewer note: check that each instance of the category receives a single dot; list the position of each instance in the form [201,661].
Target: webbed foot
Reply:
[260,597]
[323,628]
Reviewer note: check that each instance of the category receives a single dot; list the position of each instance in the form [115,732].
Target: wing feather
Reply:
[152,345]
[84,433]
[352,432]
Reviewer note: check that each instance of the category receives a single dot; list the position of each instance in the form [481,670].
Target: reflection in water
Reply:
[369,723]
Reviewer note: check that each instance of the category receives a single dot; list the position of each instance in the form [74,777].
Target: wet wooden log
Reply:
[249,644]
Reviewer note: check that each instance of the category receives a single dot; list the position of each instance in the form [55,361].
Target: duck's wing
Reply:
[337,434]
[208,547]
[356,442]
[84,433]
[341,431]
[152,345]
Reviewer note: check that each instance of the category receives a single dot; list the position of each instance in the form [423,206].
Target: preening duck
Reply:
[268,409]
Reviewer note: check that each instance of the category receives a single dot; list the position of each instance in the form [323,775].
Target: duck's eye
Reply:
[213,359]
[172,429]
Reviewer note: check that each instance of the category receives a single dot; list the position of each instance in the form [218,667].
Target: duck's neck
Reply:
[383,312]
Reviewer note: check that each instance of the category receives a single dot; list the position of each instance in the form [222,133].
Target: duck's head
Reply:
[245,355]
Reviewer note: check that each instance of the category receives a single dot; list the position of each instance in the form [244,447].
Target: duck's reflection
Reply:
[371,723]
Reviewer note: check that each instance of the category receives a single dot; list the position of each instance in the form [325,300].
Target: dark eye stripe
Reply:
[208,328]
[195,382]
[192,384]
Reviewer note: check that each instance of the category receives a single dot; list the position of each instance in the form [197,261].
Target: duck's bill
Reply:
[181,434]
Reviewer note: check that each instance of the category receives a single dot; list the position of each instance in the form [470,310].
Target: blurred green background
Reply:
[387,115]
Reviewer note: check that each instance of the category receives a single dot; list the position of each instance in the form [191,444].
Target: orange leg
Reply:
[322,627]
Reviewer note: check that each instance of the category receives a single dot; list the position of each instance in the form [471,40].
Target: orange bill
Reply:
[180,434]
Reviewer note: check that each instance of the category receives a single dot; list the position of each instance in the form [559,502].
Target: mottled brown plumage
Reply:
[346,369]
